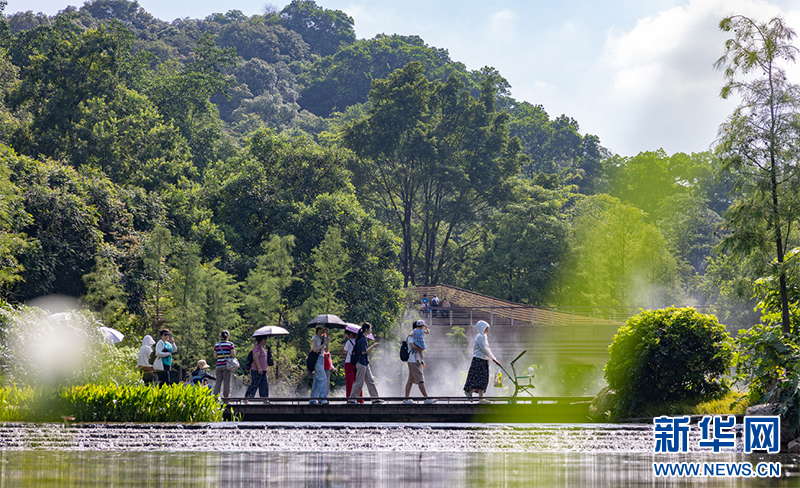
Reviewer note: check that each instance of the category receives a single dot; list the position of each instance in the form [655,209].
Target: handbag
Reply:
[270,361]
[230,363]
[311,362]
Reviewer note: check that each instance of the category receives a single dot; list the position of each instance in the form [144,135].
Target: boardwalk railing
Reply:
[520,315]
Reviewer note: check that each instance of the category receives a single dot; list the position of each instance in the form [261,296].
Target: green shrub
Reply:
[668,356]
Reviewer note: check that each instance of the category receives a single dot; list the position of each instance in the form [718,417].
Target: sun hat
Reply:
[202,364]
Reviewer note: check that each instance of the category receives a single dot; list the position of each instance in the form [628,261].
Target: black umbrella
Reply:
[327,321]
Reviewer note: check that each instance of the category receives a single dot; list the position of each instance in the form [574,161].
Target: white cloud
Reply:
[664,88]
[501,28]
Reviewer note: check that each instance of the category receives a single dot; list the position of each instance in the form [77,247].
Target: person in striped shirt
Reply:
[223,350]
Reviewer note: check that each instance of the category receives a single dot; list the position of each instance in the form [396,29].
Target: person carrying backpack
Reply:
[416,366]
[258,371]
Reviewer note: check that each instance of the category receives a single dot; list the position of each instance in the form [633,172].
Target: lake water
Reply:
[351,455]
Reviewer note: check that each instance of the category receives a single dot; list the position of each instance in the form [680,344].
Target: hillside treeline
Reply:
[234,172]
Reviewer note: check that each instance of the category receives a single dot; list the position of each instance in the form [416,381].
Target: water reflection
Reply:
[355,469]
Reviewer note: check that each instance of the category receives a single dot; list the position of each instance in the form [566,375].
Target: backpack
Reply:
[353,355]
[404,352]
[248,363]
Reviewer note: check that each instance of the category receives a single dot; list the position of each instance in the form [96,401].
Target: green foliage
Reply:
[38,350]
[104,293]
[668,355]
[139,403]
[616,258]
[29,404]
[335,82]
[12,219]
[522,246]
[265,302]
[156,275]
[258,40]
[768,361]
[128,140]
[556,147]
[728,286]
[64,232]
[324,30]
[330,268]
[767,291]
[62,70]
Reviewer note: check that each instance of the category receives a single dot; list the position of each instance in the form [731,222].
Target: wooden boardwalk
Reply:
[448,410]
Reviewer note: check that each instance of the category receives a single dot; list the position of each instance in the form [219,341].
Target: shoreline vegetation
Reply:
[110,403]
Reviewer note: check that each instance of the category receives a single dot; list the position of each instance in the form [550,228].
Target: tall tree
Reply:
[522,247]
[432,159]
[104,293]
[616,258]
[330,267]
[324,30]
[186,293]
[758,142]
[264,301]
[61,70]
[156,275]
[12,219]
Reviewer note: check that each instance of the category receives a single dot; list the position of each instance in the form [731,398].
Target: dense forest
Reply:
[234,172]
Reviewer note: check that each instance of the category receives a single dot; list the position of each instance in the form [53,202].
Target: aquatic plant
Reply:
[21,404]
[110,403]
[139,403]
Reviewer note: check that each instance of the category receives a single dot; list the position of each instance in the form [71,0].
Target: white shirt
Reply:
[481,348]
[412,353]
[348,348]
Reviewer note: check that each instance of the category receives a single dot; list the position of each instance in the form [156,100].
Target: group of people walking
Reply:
[155,364]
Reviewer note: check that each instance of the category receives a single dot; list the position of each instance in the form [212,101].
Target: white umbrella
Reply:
[60,316]
[270,330]
[112,336]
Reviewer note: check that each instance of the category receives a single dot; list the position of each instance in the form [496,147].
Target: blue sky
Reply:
[637,73]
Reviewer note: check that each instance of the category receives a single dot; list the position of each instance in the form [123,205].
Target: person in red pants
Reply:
[350,369]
